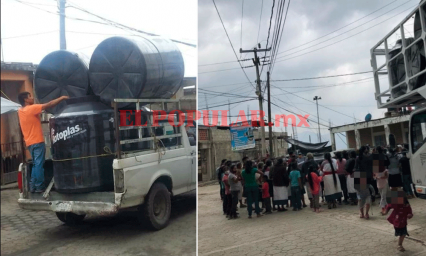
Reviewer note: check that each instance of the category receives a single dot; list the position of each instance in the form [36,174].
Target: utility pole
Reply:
[316,98]
[63,43]
[271,152]
[229,113]
[256,62]
[2,53]
[208,111]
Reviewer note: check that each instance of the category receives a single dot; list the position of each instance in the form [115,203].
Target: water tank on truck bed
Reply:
[83,140]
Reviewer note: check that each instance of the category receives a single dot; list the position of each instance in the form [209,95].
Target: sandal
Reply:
[401,249]
[361,216]
[367,216]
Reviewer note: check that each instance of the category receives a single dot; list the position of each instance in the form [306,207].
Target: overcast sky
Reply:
[168,18]
[306,21]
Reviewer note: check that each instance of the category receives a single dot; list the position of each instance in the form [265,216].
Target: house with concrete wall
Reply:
[375,132]
[15,78]
[214,144]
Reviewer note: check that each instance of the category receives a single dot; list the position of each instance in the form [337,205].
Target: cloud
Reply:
[306,21]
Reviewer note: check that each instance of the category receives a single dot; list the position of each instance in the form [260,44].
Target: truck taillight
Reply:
[119,180]
[20,179]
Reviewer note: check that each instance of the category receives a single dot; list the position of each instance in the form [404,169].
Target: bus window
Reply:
[418,131]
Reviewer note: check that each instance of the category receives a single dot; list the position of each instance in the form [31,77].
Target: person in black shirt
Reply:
[404,165]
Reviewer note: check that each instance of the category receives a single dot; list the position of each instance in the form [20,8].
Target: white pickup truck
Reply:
[143,180]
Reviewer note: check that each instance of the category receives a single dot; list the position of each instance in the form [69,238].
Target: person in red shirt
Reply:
[29,120]
[265,195]
[314,183]
[398,218]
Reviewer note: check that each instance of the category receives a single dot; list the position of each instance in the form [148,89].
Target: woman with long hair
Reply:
[280,183]
[382,177]
[350,168]
[395,178]
[362,182]
[251,186]
[240,195]
[341,162]
[332,190]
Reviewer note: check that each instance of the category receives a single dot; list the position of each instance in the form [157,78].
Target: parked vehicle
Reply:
[144,180]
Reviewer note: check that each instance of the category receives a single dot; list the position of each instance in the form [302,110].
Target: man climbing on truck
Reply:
[29,120]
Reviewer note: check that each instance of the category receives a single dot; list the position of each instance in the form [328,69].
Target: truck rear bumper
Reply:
[77,207]
[421,191]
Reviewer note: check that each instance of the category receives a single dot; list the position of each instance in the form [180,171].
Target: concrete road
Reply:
[337,231]
[25,232]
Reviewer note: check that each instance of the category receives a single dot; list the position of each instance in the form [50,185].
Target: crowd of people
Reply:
[351,178]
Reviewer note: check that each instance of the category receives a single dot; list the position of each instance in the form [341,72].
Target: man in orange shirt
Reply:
[29,119]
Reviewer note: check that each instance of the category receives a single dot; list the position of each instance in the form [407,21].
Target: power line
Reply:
[314,39]
[242,15]
[231,94]
[341,33]
[260,22]
[35,34]
[277,29]
[310,101]
[339,28]
[338,135]
[393,17]
[236,56]
[127,27]
[228,103]
[269,30]
[220,70]
[279,42]
[320,77]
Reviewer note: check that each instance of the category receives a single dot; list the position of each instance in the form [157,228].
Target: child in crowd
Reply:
[265,195]
[314,184]
[235,188]
[296,187]
[227,201]
[398,218]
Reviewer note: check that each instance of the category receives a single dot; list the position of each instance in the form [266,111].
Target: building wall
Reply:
[397,130]
[365,135]
[350,135]
[13,82]
[215,144]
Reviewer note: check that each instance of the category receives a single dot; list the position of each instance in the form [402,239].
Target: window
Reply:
[418,131]
[380,140]
[166,129]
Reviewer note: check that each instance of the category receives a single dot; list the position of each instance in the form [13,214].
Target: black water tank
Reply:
[82,137]
[129,68]
[61,73]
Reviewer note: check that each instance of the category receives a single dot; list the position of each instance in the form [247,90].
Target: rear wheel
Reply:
[69,218]
[155,212]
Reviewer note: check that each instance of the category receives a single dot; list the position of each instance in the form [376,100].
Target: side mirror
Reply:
[192,141]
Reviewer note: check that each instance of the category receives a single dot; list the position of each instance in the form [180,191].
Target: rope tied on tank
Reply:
[158,148]
[106,149]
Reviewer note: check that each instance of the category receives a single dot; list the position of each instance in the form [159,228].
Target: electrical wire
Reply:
[125,26]
[228,104]
[269,30]
[279,42]
[230,42]
[320,77]
[36,34]
[310,101]
[242,16]
[339,28]
[320,36]
[260,22]
[391,18]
